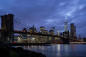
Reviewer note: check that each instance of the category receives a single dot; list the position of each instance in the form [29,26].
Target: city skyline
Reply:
[46,13]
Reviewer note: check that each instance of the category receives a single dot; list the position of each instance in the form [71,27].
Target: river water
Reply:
[60,50]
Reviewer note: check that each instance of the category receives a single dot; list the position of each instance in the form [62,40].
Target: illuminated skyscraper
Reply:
[32,29]
[66,26]
[66,31]
[51,32]
[43,39]
[42,29]
[58,33]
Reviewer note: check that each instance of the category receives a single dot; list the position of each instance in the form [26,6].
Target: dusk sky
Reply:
[48,13]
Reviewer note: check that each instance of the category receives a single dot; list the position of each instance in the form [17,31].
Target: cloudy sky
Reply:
[46,13]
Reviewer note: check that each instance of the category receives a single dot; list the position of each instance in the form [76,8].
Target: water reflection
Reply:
[60,50]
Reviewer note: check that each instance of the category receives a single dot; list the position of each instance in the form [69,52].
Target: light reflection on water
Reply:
[60,50]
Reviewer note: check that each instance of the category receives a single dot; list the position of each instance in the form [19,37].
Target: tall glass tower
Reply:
[66,25]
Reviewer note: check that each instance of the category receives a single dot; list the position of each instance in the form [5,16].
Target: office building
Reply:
[66,31]
[72,31]
[42,29]
[32,29]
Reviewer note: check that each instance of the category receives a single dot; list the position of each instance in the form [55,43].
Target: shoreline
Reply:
[8,51]
[40,44]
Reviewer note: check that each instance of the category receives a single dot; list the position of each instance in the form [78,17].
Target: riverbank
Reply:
[40,44]
[6,51]
[77,42]
[29,44]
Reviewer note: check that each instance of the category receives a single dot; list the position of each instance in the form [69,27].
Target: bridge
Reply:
[7,30]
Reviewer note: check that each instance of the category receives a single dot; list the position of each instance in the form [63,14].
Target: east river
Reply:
[60,50]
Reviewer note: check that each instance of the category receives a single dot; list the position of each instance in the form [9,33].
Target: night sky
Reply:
[48,13]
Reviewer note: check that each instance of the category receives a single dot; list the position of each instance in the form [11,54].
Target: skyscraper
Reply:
[42,29]
[43,39]
[51,32]
[66,26]
[72,31]
[32,29]
[66,31]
